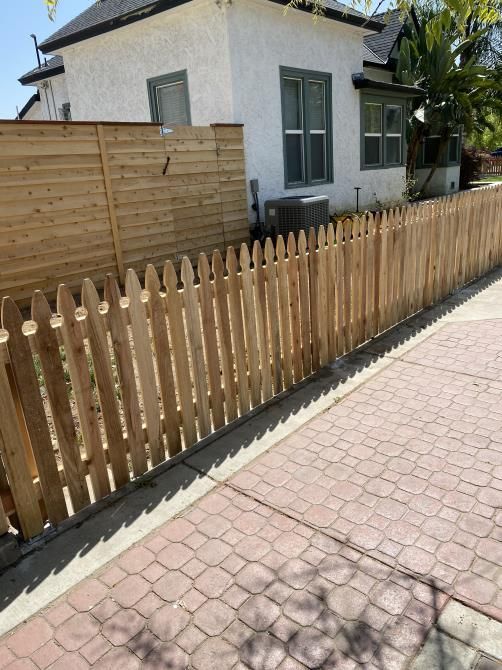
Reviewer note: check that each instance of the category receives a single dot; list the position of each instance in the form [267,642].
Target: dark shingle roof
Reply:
[32,101]
[107,15]
[53,67]
[381,44]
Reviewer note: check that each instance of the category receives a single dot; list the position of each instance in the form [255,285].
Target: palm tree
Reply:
[457,91]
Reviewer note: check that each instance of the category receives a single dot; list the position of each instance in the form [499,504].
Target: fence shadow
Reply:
[150,493]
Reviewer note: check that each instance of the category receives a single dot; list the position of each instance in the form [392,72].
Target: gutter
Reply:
[361,82]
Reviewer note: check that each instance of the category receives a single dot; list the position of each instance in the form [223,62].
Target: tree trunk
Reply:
[442,146]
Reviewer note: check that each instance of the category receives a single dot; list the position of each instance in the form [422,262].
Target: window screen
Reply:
[169,100]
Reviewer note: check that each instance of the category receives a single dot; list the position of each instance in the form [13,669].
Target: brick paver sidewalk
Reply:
[336,549]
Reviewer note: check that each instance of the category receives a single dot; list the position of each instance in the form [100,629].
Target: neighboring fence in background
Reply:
[491,167]
[84,199]
[131,382]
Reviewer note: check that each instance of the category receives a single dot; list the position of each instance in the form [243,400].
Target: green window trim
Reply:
[156,83]
[445,159]
[310,130]
[388,137]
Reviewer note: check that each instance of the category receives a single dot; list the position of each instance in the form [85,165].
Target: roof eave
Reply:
[51,45]
[361,82]
[157,6]
[41,76]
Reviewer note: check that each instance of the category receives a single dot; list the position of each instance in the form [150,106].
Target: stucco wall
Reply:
[52,97]
[36,113]
[441,182]
[107,74]
[262,38]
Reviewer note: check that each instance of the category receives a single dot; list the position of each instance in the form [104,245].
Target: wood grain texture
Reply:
[237,328]
[174,308]
[162,347]
[105,383]
[33,410]
[117,323]
[272,313]
[250,331]
[47,347]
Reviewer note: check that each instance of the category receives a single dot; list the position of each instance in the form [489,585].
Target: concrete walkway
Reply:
[355,523]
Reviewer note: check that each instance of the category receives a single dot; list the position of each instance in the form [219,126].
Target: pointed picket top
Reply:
[232,265]
[330,236]
[371,224]
[312,240]
[203,269]
[244,257]
[269,251]
[217,263]
[65,302]
[90,297]
[133,288]
[280,248]
[152,281]
[40,309]
[321,237]
[291,245]
[302,242]
[339,232]
[187,273]
[11,316]
[356,228]
[112,291]
[170,276]
[257,254]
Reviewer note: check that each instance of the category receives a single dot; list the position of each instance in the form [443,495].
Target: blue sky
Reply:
[19,19]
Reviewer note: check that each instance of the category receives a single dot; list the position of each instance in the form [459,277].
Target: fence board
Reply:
[100,353]
[47,347]
[78,192]
[117,322]
[33,410]
[262,320]
[237,329]
[273,315]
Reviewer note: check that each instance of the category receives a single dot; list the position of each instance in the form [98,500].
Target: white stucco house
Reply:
[322,114]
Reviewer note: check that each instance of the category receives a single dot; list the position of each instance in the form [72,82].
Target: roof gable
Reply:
[107,15]
[378,47]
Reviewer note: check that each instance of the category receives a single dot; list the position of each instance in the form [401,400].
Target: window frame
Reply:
[167,80]
[306,76]
[385,102]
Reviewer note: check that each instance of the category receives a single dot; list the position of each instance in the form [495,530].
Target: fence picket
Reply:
[105,383]
[251,335]
[273,314]
[225,336]
[347,285]
[332,302]
[210,342]
[304,291]
[161,346]
[47,346]
[14,458]
[174,309]
[282,286]
[33,410]
[260,292]
[322,278]
[314,299]
[117,323]
[237,329]
[340,290]
[73,341]
[294,302]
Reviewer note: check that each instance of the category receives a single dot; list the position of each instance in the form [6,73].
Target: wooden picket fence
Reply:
[131,381]
[492,167]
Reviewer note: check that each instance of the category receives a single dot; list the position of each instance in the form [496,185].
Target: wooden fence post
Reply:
[111,204]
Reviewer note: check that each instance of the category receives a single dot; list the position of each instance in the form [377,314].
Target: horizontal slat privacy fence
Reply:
[86,199]
[93,397]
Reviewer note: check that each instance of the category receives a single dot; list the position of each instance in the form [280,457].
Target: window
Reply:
[431,149]
[373,133]
[306,114]
[454,148]
[169,102]
[383,130]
